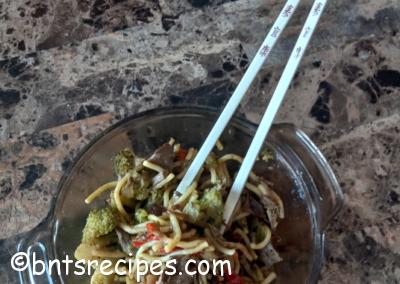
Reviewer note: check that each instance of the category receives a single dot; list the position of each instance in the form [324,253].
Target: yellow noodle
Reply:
[187,193]
[276,198]
[189,234]
[171,141]
[177,147]
[265,241]
[144,247]
[239,159]
[253,189]
[157,219]
[153,166]
[177,233]
[190,154]
[240,216]
[141,228]
[166,197]
[228,157]
[242,248]
[219,145]
[247,242]
[117,198]
[262,189]
[100,190]
[214,177]
[216,244]
[271,277]
[164,181]
[254,177]
[224,171]
[195,250]
[209,249]
[185,245]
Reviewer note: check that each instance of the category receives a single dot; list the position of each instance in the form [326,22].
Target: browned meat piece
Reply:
[156,210]
[163,156]
[272,211]
[253,206]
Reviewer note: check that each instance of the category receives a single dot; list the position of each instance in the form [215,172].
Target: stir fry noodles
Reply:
[143,220]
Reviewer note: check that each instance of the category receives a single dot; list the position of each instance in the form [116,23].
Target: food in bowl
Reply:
[142,220]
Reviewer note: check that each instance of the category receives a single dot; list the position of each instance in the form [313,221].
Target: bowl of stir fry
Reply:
[116,204]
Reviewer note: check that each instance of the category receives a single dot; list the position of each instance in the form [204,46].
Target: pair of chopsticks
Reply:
[270,113]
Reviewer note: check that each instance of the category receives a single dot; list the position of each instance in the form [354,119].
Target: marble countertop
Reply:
[69,69]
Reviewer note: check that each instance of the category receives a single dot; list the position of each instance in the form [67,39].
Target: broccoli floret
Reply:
[138,186]
[212,205]
[99,223]
[141,215]
[124,161]
[156,198]
[141,193]
[208,208]
[193,211]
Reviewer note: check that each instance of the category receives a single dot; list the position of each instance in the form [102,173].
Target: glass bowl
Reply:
[299,172]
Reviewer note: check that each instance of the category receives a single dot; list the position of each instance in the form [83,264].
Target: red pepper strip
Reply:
[233,278]
[151,228]
[138,244]
[181,154]
[152,238]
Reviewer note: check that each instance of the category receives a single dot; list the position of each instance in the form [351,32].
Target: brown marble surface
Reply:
[69,69]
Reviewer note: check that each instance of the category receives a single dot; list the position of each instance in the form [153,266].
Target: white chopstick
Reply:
[272,109]
[238,94]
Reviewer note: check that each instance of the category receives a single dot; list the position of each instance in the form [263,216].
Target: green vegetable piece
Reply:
[193,211]
[100,222]
[141,193]
[156,198]
[209,208]
[124,161]
[141,215]
[212,205]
